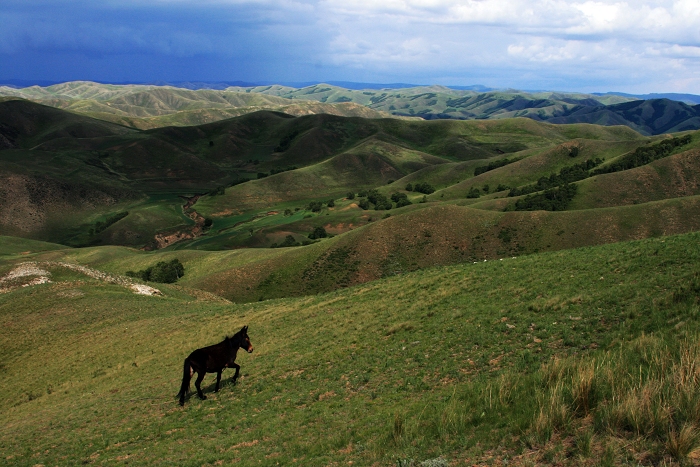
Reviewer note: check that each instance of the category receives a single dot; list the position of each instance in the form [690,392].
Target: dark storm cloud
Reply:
[585,45]
[153,39]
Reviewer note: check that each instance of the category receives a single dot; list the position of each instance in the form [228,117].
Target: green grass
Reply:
[17,246]
[441,362]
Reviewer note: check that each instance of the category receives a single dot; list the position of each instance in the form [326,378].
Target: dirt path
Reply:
[167,239]
[35,273]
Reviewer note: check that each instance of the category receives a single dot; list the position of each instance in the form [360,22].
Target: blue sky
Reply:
[634,46]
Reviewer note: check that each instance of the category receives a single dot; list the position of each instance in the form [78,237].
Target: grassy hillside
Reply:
[370,246]
[65,173]
[143,189]
[522,360]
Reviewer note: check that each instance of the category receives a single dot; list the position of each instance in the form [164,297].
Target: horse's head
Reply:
[245,340]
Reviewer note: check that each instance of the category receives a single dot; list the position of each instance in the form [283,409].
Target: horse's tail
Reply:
[186,376]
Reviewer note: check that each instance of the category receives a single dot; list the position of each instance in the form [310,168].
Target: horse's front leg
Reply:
[218,380]
[200,377]
[237,367]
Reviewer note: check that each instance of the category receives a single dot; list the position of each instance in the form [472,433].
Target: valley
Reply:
[447,289]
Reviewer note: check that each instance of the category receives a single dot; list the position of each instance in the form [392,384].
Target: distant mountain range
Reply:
[194,103]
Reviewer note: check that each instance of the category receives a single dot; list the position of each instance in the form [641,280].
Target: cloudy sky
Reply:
[635,46]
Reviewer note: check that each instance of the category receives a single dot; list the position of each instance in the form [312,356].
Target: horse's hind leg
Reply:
[218,380]
[200,377]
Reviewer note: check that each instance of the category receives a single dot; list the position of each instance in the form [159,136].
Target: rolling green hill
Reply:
[79,181]
[64,173]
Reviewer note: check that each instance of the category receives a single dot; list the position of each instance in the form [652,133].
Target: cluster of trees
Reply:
[401,199]
[316,206]
[421,187]
[644,155]
[474,192]
[494,165]
[318,232]
[570,174]
[164,272]
[553,199]
[286,141]
[380,201]
[100,226]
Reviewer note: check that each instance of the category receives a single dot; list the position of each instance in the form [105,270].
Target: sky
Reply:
[635,46]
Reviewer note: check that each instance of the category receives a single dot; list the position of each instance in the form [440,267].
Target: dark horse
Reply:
[214,359]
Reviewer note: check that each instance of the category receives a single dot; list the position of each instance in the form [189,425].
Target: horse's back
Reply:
[212,358]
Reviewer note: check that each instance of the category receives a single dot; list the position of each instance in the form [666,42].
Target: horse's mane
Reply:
[238,335]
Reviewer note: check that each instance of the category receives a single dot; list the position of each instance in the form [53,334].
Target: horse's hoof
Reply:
[203,397]
[182,403]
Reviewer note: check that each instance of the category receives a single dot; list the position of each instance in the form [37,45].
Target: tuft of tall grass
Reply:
[649,388]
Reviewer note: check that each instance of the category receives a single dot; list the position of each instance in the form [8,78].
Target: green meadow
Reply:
[561,358]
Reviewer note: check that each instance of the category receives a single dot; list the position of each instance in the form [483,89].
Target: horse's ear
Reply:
[245,329]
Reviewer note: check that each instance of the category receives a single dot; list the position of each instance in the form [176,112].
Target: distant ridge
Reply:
[687,98]
[191,103]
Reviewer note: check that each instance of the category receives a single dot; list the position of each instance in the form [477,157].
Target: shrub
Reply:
[330,203]
[383,205]
[218,191]
[350,195]
[424,188]
[409,187]
[289,241]
[315,206]
[164,272]
[364,204]
[261,175]
[319,232]
[395,197]
[473,193]
[287,212]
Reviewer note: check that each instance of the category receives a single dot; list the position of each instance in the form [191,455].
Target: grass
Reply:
[452,361]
